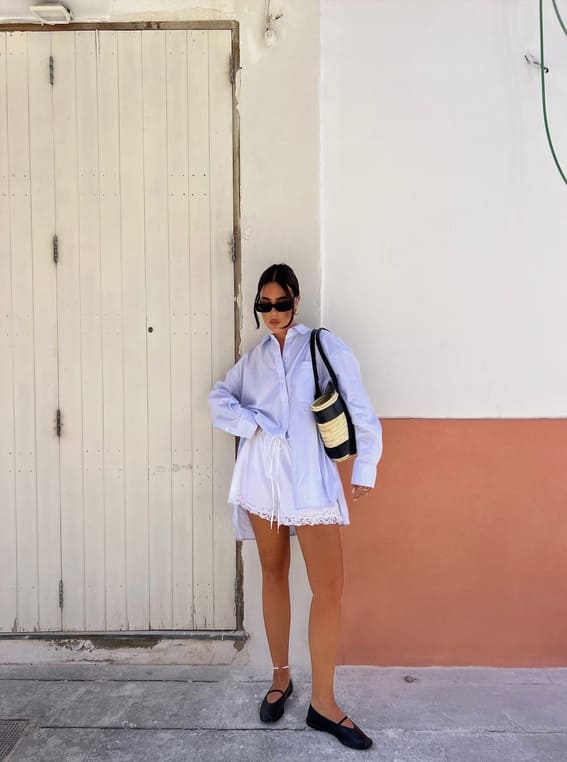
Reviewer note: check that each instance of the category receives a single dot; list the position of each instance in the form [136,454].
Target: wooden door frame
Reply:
[234,27]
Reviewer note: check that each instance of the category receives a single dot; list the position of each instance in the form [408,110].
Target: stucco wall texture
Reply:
[448,282]
[458,556]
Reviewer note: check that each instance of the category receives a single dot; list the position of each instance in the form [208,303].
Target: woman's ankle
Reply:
[323,704]
[281,673]
[331,711]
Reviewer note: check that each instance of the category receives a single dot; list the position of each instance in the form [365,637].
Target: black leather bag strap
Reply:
[314,333]
[315,337]
[325,358]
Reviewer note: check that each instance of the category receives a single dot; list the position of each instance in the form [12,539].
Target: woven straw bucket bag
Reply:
[331,413]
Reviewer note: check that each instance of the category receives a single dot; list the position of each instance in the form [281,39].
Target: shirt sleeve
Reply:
[368,429]
[224,402]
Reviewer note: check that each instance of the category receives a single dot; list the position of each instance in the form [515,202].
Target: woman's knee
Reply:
[328,589]
[275,566]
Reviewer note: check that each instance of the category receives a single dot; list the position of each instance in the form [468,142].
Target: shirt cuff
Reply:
[363,474]
[247,426]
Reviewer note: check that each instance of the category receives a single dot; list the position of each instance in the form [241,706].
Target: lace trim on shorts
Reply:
[328,516]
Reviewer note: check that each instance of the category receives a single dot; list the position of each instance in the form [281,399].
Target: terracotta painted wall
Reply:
[459,557]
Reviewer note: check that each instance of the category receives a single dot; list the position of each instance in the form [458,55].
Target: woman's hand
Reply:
[358,491]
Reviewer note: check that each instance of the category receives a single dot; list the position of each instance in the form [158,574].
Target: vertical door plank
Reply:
[91,326]
[222,315]
[201,355]
[135,330]
[8,538]
[45,307]
[23,332]
[180,286]
[112,331]
[69,321]
[159,361]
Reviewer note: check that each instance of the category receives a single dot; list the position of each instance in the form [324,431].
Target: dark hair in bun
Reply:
[284,276]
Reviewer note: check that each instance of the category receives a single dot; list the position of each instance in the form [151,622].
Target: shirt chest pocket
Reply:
[303,384]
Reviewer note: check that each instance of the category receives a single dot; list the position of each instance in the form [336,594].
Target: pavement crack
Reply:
[153,729]
[101,680]
[512,722]
[469,731]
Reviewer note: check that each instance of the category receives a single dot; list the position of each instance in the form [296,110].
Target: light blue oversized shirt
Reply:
[274,390]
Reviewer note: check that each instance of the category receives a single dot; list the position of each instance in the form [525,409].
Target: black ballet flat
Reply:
[354,737]
[270,711]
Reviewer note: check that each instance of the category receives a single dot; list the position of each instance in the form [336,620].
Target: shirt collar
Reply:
[299,328]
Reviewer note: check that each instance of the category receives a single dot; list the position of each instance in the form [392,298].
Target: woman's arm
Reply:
[224,402]
[367,427]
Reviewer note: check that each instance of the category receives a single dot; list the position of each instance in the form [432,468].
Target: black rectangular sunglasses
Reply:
[285,305]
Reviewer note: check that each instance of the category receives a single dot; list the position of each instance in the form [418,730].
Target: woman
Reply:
[283,475]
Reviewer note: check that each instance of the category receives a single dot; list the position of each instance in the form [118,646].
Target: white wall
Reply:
[444,218]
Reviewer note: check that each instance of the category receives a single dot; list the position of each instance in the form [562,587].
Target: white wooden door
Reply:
[119,522]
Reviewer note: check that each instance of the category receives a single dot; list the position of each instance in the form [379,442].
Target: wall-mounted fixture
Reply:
[533,60]
[51,13]
[270,36]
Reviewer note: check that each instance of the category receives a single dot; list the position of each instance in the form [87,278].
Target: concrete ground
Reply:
[92,711]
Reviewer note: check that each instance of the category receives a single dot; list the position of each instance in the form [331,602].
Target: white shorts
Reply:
[261,484]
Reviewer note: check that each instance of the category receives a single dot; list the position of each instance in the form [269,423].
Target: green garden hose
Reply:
[542,73]
[559,16]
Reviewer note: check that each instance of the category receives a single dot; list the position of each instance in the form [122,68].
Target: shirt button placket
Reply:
[283,387]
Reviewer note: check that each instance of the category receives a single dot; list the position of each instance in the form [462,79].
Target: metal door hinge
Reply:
[51,70]
[60,593]
[58,423]
[55,249]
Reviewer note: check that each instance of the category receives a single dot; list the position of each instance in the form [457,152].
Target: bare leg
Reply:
[274,552]
[322,552]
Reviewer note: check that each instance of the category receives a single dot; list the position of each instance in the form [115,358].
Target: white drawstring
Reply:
[276,445]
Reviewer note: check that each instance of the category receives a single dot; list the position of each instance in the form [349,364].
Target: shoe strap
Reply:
[344,718]
[274,690]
